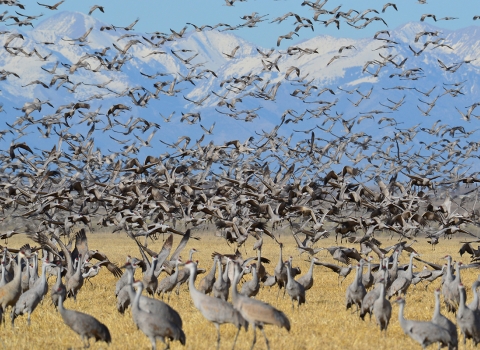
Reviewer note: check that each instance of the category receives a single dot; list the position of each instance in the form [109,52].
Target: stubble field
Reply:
[322,322]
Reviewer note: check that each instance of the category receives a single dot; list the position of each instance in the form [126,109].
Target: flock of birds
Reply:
[246,189]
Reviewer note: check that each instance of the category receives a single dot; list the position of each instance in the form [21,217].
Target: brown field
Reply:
[323,323]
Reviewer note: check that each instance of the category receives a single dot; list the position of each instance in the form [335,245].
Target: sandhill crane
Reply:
[28,301]
[251,287]
[86,326]
[467,320]
[280,272]
[382,309]
[184,274]
[474,303]
[10,292]
[370,298]
[215,310]
[367,279]
[423,332]
[450,291]
[342,271]
[154,326]
[401,284]
[222,284]
[294,289]
[58,288]
[444,322]
[152,305]
[257,313]
[307,280]
[356,290]
[75,282]
[150,281]
[206,283]
[168,283]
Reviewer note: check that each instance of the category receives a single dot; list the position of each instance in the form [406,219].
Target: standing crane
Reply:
[11,291]
[356,290]
[215,310]
[206,283]
[28,301]
[423,332]
[294,289]
[86,326]
[444,322]
[153,325]
[257,313]
[382,309]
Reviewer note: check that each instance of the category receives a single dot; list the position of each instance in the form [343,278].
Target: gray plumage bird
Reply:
[11,291]
[251,287]
[153,325]
[127,294]
[215,310]
[206,283]
[356,290]
[307,280]
[257,313]
[423,332]
[295,290]
[444,322]
[28,301]
[222,283]
[467,320]
[382,309]
[86,326]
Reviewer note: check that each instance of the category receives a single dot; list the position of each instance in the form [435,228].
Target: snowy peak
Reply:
[68,24]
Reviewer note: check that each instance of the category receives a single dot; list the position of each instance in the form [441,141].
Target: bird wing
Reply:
[332,267]
[180,246]
[165,251]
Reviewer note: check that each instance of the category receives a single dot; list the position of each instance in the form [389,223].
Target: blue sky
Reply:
[162,15]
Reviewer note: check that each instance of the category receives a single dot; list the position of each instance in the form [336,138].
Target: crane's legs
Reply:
[254,337]
[266,339]
[218,335]
[235,340]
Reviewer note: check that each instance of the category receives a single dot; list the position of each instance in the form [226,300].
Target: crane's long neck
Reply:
[190,257]
[310,270]
[60,304]
[382,290]
[151,272]
[449,268]
[213,270]
[289,272]
[254,273]
[280,258]
[475,295]
[175,274]
[18,270]
[225,273]
[457,270]
[461,305]
[236,278]
[59,277]
[259,257]
[436,311]
[220,269]
[410,266]
[43,277]
[138,294]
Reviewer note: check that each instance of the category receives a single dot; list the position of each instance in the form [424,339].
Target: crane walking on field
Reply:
[84,325]
[215,310]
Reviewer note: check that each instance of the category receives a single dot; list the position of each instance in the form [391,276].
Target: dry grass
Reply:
[322,323]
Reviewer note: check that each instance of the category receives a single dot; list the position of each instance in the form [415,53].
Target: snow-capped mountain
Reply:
[379,85]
